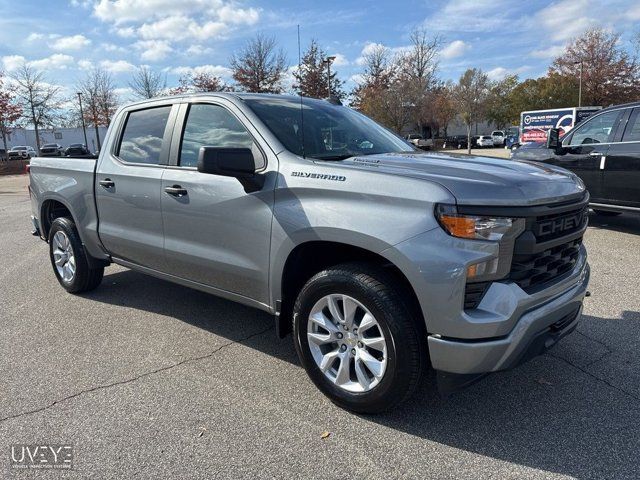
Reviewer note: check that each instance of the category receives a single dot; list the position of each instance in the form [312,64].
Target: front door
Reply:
[585,149]
[128,186]
[622,166]
[216,234]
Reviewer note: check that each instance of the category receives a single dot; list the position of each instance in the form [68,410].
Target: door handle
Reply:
[595,154]
[176,191]
[107,183]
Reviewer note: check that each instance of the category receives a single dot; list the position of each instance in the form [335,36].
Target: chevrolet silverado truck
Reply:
[383,261]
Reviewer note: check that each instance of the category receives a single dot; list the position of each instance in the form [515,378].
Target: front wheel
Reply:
[69,259]
[357,338]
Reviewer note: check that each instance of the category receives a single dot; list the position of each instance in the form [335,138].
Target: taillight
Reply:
[27,168]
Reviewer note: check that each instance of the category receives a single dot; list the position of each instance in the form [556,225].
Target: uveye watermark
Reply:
[55,457]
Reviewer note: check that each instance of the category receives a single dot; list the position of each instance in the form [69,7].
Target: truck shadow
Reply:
[625,223]
[573,411]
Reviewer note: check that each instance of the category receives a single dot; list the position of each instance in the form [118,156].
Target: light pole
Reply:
[580,84]
[84,128]
[328,61]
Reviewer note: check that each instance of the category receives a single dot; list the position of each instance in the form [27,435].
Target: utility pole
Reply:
[580,83]
[84,128]
[328,61]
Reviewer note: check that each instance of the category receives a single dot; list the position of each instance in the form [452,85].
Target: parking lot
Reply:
[148,379]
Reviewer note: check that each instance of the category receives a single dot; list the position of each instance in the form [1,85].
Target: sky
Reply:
[68,38]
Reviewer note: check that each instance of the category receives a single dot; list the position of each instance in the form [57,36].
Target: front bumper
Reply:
[536,330]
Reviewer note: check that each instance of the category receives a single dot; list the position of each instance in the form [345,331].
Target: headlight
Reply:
[472,226]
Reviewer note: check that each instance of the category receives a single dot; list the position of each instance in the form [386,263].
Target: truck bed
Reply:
[69,181]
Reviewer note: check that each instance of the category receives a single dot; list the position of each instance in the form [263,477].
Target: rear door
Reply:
[128,187]
[622,166]
[585,149]
[216,234]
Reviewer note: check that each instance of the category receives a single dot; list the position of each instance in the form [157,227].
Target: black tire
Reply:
[403,331]
[607,213]
[85,277]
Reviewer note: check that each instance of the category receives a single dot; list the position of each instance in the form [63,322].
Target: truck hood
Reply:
[476,180]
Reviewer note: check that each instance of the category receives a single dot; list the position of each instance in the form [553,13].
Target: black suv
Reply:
[604,151]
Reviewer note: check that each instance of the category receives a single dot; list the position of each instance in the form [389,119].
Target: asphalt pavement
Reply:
[147,379]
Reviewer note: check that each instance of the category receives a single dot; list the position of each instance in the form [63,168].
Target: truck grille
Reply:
[547,250]
[550,227]
[532,271]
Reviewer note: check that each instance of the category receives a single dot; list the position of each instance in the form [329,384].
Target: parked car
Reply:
[21,153]
[604,151]
[484,141]
[51,150]
[77,150]
[419,141]
[380,259]
[456,141]
[498,138]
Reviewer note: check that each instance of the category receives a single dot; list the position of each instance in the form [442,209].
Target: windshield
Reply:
[18,148]
[331,132]
[50,145]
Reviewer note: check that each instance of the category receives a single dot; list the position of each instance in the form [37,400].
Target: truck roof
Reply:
[229,95]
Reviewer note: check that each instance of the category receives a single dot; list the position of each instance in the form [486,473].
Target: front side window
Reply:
[632,132]
[211,126]
[599,129]
[142,137]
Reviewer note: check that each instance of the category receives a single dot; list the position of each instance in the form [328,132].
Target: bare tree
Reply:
[148,84]
[417,69]
[10,111]
[40,100]
[260,65]
[98,94]
[471,94]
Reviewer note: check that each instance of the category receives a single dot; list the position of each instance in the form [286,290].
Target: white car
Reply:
[21,153]
[498,138]
[419,141]
[484,141]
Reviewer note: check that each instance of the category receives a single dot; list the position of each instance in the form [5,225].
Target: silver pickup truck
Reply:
[382,261]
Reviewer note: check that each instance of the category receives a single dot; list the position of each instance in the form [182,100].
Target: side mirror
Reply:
[232,162]
[553,139]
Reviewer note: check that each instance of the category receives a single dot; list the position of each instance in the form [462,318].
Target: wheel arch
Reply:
[308,258]
[51,209]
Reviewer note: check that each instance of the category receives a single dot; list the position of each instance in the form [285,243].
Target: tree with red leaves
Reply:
[200,82]
[610,75]
[260,66]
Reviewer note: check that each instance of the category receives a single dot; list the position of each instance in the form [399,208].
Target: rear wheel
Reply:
[357,338]
[69,259]
[607,213]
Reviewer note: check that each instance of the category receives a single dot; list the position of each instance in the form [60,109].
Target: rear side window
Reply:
[632,132]
[141,140]
[211,126]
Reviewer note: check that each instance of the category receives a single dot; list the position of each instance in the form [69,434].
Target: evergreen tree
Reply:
[312,76]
